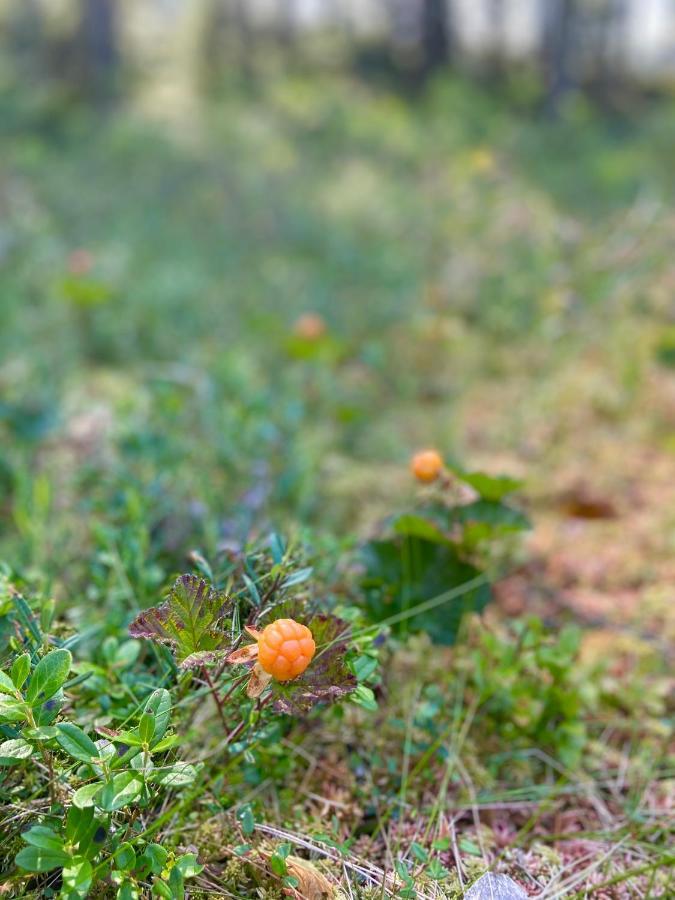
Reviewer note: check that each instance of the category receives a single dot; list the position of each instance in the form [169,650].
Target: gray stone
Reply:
[495,887]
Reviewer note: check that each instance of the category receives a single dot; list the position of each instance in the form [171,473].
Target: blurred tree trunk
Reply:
[245,43]
[97,49]
[435,35]
[288,20]
[558,47]
[497,16]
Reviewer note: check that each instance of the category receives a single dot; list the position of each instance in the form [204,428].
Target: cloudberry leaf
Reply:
[327,677]
[187,620]
[404,576]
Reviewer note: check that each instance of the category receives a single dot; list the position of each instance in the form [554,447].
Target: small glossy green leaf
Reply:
[159,889]
[127,891]
[7,685]
[125,857]
[245,819]
[188,866]
[418,851]
[75,742]
[120,791]
[176,883]
[78,822]
[169,741]
[84,796]
[298,577]
[77,876]
[41,733]
[43,837]
[20,670]
[126,654]
[177,775]
[49,675]
[14,750]
[364,696]
[364,666]
[36,859]
[12,710]
[159,705]
[146,727]
[157,857]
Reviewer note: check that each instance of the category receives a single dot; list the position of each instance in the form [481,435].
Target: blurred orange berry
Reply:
[285,649]
[310,326]
[426,465]
[80,261]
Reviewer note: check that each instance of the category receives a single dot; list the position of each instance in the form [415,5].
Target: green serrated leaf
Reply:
[407,572]
[187,620]
[490,487]
[419,526]
[49,675]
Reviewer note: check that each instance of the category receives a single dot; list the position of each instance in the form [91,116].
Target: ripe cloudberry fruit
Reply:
[285,649]
[426,465]
[310,326]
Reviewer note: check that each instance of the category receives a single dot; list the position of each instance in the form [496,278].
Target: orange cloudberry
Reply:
[426,465]
[285,649]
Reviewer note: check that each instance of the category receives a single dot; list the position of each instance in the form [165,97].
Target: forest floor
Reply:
[484,291]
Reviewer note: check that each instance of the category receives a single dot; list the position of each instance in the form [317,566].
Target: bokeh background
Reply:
[252,255]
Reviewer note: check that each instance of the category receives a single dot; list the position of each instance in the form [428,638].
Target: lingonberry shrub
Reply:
[102,744]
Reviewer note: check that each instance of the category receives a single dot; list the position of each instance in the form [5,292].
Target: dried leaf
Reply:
[202,658]
[243,655]
[187,620]
[257,682]
[255,634]
[327,678]
[313,884]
